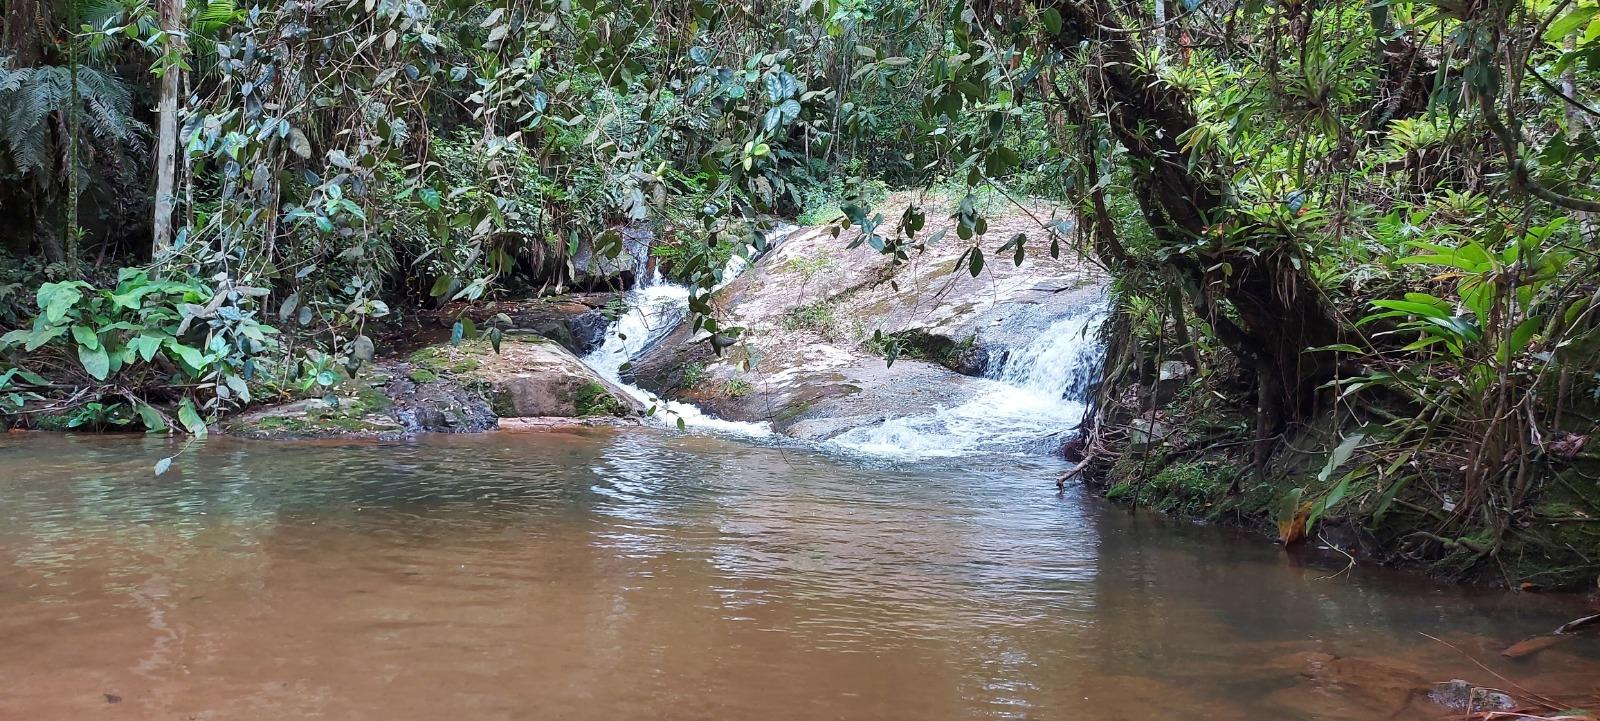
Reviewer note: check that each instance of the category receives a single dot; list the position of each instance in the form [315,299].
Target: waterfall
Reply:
[655,308]
[1064,361]
[1036,395]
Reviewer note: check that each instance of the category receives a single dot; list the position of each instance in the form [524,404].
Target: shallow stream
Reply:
[648,574]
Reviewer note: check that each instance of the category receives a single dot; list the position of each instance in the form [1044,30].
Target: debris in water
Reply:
[1458,695]
[1534,644]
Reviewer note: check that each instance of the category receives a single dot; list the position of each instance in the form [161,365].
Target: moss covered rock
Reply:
[530,376]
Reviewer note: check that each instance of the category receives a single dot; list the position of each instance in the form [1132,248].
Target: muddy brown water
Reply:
[649,575]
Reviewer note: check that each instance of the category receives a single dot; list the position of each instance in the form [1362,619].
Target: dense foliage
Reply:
[1366,228]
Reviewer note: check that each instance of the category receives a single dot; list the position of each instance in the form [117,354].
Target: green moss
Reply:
[499,402]
[595,400]
[1191,488]
[439,359]
[422,375]
[364,412]
[793,411]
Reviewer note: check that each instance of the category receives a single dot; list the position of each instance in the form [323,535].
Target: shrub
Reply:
[136,348]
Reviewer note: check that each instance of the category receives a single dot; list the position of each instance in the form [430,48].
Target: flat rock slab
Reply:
[547,423]
[465,388]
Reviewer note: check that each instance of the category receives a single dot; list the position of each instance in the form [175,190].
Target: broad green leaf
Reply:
[1406,306]
[151,418]
[1340,454]
[1052,20]
[240,389]
[299,145]
[190,418]
[1569,23]
[146,346]
[85,336]
[95,361]
[190,355]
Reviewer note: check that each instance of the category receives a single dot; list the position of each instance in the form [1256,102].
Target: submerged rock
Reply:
[1458,695]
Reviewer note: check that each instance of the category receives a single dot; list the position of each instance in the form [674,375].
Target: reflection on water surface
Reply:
[649,575]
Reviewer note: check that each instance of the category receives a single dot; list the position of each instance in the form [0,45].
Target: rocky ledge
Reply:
[531,381]
[821,319]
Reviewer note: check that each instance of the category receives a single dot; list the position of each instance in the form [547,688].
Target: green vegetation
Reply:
[817,317]
[595,400]
[693,375]
[737,388]
[438,359]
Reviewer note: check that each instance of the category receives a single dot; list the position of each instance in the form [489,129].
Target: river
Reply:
[650,574]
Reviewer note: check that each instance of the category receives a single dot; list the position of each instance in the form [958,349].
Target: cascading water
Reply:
[655,308]
[1039,391]
[1030,398]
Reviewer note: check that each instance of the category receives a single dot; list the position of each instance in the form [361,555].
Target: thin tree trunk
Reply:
[171,17]
[1576,125]
[71,223]
[1160,24]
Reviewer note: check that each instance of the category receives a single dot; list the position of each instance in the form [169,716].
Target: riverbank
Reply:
[1178,439]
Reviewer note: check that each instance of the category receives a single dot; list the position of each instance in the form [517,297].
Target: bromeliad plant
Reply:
[1480,364]
[151,348]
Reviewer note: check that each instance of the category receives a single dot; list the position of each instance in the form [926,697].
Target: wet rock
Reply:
[556,424]
[820,317]
[530,376]
[467,388]
[1144,433]
[596,271]
[1324,685]
[1458,695]
[364,413]
[588,330]
[577,321]
[438,406]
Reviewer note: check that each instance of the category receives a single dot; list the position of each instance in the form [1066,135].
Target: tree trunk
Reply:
[171,18]
[1261,305]
[24,37]
[74,109]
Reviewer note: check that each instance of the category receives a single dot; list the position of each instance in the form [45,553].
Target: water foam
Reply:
[656,308]
[1037,393]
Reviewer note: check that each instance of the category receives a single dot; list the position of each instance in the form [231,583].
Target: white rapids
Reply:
[1036,393]
[655,308]
[1029,400]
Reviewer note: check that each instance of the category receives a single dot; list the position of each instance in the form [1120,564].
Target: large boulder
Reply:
[465,388]
[530,376]
[821,317]
[578,321]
